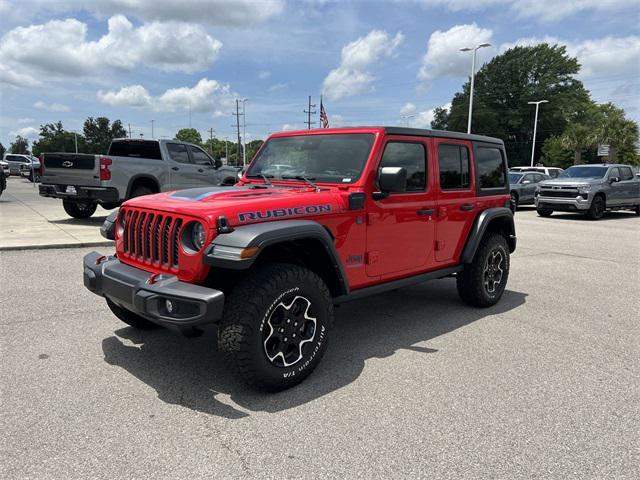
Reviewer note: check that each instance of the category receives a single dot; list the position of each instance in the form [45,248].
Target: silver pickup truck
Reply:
[590,189]
[131,168]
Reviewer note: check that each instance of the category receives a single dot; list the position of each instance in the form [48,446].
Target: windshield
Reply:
[331,158]
[514,177]
[584,172]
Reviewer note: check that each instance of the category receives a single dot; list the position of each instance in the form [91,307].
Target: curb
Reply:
[52,246]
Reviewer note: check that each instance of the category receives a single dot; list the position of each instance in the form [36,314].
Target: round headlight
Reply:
[198,235]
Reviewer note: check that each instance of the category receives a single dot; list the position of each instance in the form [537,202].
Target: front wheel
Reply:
[276,326]
[544,212]
[483,281]
[79,209]
[596,210]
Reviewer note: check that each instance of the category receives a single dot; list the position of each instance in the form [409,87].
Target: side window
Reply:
[538,178]
[529,177]
[454,167]
[626,173]
[410,156]
[614,172]
[554,173]
[491,168]
[178,152]
[199,157]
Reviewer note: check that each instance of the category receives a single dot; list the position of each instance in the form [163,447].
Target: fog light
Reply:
[169,306]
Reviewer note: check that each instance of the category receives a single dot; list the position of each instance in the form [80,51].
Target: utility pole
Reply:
[406,119]
[226,149]
[244,133]
[309,113]
[129,130]
[211,130]
[75,137]
[473,76]
[535,126]
[152,121]
[237,114]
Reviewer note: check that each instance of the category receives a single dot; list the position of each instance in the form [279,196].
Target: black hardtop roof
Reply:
[423,132]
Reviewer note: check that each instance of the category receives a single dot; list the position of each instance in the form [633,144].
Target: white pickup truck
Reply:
[131,168]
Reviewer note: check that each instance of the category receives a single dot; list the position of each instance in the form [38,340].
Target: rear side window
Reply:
[626,173]
[411,157]
[491,168]
[136,149]
[178,152]
[454,167]
[554,173]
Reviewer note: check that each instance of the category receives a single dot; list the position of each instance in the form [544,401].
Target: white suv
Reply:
[553,172]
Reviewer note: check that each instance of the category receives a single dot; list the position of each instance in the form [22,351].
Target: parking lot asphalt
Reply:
[546,384]
[28,220]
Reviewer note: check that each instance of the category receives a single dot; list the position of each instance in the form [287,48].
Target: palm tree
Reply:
[615,130]
[578,137]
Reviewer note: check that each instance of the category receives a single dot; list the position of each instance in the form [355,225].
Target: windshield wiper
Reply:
[262,176]
[303,178]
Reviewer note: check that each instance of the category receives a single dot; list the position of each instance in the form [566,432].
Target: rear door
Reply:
[456,196]
[76,169]
[631,186]
[401,227]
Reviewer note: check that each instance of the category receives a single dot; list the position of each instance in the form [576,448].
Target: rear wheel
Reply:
[544,212]
[596,210]
[637,210]
[483,281]
[130,318]
[276,326]
[79,209]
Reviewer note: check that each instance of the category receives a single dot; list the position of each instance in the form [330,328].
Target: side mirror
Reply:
[217,163]
[391,180]
[526,182]
[614,179]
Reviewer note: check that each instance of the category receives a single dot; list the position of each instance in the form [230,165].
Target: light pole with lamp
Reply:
[473,74]
[244,133]
[535,126]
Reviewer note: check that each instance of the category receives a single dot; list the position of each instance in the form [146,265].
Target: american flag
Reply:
[324,120]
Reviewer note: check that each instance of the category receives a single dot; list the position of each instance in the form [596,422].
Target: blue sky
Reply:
[375,62]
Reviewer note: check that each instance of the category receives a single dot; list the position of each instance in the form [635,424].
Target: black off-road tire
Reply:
[544,212]
[472,281]
[637,210]
[514,202]
[597,208]
[79,209]
[228,182]
[267,298]
[140,191]
[3,183]
[130,318]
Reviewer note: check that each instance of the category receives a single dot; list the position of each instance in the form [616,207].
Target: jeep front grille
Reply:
[151,238]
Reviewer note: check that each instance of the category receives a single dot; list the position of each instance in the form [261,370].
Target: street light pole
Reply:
[473,75]
[535,126]
[244,133]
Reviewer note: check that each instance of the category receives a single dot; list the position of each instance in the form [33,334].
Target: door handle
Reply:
[200,170]
[425,211]
[467,207]
[175,168]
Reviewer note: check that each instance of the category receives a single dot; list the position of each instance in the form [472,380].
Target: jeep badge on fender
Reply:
[320,217]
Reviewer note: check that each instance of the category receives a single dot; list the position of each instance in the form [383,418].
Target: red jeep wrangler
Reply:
[320,217]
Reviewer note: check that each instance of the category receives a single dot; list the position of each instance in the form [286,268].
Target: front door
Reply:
[184,173]
[400,227]
[205,171]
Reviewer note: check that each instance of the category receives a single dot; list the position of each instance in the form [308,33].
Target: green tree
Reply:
[54,138]
[190,135]
[578,137]
[98,133]
[503,88]
[2,150]
[440,119]
[617,131]
[555,154]
[19,146]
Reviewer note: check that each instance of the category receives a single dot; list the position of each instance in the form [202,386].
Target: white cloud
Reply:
[444,58]
[235,13]
[278,86]
[51,107]
[545,10]
[419,119]
[26,132]
[22,121]
[165,46]
[207,96]
[352,77]
[264,75]
[408,109]
[287,127]
[8,76]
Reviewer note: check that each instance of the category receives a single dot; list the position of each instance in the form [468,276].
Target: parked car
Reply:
[131,168]
[31,170]
[4,166]
[15,161]
[552,172]
[591,190]
[268,258]
[3,181]
[523,186]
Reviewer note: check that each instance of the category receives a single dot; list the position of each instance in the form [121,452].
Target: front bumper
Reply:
[99,194]
[563,204]
[135,290]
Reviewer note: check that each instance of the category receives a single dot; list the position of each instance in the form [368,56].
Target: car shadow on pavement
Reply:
[191,372]
[96,221]
[616,215]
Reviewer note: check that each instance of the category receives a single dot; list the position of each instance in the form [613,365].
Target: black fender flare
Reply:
[137,177]
[503,215]
[224,251]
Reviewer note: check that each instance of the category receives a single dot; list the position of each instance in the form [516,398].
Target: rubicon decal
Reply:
[283,212]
